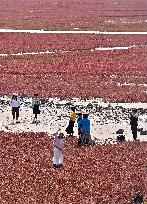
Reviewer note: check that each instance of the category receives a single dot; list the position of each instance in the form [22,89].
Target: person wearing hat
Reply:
[15,104]
[36,105]
[58,149]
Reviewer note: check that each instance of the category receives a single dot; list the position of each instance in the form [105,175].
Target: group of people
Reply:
[83,127]
[84,137]
[15,104]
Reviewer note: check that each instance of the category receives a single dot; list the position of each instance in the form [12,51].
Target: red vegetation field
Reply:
[118,75]
[106,15]
[97,174]
[25,42]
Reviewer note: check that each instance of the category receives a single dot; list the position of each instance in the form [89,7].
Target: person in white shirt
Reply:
[58,149]
[15,104]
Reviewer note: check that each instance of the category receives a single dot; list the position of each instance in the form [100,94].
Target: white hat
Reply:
[15,94]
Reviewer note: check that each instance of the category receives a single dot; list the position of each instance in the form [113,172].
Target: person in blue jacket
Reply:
[85,125]
[80,134]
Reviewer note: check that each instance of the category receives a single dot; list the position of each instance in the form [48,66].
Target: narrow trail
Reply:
[70,32]
[72,50]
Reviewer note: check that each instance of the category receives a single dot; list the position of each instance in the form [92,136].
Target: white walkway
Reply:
[70,32]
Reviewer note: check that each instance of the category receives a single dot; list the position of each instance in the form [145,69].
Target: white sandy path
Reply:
[70,32]
[64,51]
[50,120]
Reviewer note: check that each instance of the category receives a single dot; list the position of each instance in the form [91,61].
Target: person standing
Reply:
[72,120]
[36,105]
[80,133]
[15,104]
[58,149]
[134,123]
[85,124]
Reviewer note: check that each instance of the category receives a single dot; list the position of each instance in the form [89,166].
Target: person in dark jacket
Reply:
[134,123]
[36,105]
